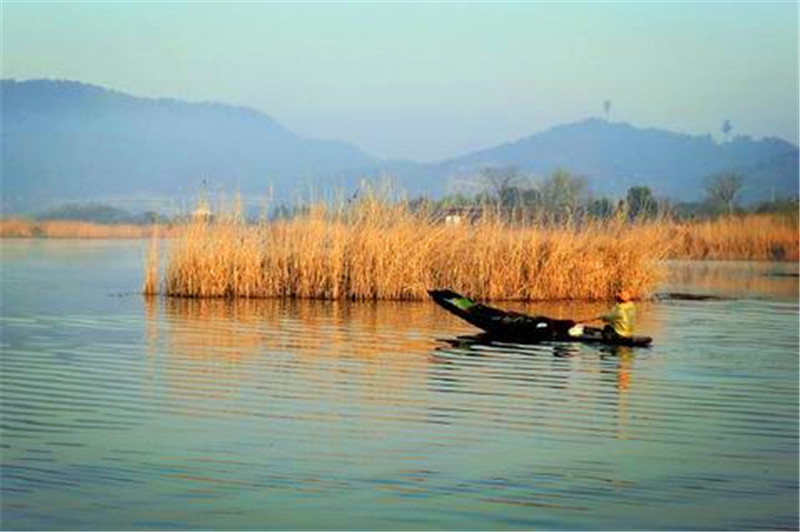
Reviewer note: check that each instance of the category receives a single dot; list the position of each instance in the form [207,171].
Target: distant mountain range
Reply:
[69,141]
[616,156]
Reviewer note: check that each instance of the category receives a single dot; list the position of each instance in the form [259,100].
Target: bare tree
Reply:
[641,203]
[723,188]
[562,194]
[499,180]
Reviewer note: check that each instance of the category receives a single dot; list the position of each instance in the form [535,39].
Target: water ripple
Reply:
[271,414]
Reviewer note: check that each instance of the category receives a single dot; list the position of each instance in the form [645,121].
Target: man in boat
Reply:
[620,319]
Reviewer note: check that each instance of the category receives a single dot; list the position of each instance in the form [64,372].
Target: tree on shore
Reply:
[562,195]
[501,183]
[641,203]
[723,188]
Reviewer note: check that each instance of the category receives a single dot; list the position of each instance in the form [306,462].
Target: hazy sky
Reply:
[431,80]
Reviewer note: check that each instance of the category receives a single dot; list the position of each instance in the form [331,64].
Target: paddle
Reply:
[589,320]
[578,328]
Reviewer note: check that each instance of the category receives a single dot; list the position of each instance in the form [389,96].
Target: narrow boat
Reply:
[509,325]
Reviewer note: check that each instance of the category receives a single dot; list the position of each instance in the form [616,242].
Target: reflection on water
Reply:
[563,372]
[373,347]
[134,413]
[734,279]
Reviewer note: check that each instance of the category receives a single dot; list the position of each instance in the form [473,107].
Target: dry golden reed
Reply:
[750,237]
[150,286]
[376,249]
[20,228]
[16,228]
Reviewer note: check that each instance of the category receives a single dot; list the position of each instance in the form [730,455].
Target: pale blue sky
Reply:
[431,80]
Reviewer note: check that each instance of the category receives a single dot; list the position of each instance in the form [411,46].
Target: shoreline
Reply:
[742,237]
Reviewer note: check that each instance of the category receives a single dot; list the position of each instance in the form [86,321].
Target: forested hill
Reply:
[68,141]
[615,156]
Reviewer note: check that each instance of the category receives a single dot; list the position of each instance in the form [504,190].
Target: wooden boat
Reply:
[515,326]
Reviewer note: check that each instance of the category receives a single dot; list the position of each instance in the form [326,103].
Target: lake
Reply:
[121,412]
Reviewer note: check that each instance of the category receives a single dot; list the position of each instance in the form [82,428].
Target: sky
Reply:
[430,80]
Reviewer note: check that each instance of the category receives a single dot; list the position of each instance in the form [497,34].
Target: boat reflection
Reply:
[568,367]
[556,348]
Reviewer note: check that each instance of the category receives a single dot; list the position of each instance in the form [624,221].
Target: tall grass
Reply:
[376,249]
[21,228]
[150,286]
[751,237]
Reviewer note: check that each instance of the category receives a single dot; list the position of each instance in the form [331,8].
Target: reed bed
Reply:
[150,286]
[21,228]
[379,250]
[750,237]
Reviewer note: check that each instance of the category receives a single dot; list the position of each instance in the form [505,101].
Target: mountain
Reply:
[64,141]
[615,156]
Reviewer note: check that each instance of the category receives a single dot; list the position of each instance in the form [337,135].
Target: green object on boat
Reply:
[464,303]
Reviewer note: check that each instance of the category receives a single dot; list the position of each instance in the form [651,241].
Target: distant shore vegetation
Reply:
[508,242]
[375,249]
[73,220]
[372,245]
[32,228]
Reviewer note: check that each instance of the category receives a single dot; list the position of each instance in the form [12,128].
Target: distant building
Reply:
[202,214]
[460,215]
[452,219]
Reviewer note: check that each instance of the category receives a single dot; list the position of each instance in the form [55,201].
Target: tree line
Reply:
[505,191]
[563,197]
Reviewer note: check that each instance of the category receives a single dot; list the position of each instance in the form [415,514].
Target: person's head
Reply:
[622,296]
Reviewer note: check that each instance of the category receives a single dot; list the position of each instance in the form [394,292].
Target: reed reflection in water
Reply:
[734,278]
[366,366]
[369,348]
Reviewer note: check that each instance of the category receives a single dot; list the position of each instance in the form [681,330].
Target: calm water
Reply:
[125,413]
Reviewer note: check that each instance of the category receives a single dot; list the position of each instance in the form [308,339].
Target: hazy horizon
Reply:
[431,81]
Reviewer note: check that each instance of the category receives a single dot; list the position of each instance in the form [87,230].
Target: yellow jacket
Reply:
[621,318]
